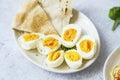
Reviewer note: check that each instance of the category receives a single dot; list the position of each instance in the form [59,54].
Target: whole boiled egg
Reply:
[70,35]
[86,47]
[48,44]
[73,58]
[55,58]
[29,40]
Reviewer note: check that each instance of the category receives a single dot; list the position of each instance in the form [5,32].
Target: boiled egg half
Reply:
[86,47]
[55,58]
[48,44]
[29,40]
[70,35]
[73,58]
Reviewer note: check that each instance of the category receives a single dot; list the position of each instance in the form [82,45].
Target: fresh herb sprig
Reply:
[114,14]
[65,48]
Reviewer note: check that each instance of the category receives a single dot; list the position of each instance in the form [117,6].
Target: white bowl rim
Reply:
[108,58]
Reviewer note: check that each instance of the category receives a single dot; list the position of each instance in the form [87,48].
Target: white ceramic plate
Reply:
[112,60]
[88,28]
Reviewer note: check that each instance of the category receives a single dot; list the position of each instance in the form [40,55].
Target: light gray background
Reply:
[13,65]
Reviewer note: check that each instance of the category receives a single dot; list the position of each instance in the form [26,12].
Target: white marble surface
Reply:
[13,65]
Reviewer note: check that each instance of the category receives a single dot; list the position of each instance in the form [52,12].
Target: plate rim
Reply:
[55,71]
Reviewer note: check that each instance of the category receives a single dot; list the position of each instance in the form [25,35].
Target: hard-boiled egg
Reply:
[86,47]
[70,35]
[29,40]
[55,58]
[48,44]
[73,58]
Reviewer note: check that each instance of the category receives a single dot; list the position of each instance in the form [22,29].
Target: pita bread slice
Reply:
[32,18]
[59,12]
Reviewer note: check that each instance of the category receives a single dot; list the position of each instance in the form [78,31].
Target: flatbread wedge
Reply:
[59,12]
[32,18]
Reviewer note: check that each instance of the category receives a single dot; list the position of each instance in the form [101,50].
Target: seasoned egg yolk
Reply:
[86,45]
[72,56]
[30,37]
[50,42]
[53,56]
[70,34]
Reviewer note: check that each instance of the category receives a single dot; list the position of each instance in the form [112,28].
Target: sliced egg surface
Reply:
[55,58]
[86,47]
[73,58]
[48,44]
[70,35]
[29,40]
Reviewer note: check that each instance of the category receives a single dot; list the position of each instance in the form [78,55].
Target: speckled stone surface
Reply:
[14,66]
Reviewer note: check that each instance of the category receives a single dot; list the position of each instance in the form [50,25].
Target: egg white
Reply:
[73,64]
[44,50]
[29,44]
[90,54]
[70,44]
[57,62]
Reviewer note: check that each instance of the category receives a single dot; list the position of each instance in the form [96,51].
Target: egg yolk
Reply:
[69,34]
[50,42]
[72,56]
[53,56]
[86,45]
[30,37]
